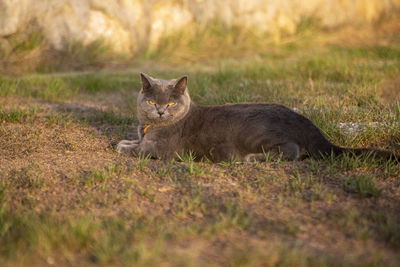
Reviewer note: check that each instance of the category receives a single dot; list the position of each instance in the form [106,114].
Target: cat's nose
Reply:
[161,111]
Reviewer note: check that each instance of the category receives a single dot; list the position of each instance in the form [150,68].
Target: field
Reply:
[67,198]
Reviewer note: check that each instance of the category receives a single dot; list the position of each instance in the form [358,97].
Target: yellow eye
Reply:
[151,102]
[171,104]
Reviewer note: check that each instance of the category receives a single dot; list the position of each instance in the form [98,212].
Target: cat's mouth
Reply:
[163,118]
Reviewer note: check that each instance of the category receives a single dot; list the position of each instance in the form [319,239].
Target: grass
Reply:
[364,186]
[143,161]
[49,87]
[27,51]
[67,198]
[17,116]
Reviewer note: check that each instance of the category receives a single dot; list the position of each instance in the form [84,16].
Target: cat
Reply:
[170,124]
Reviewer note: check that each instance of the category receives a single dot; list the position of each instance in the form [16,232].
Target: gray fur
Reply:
[219,133]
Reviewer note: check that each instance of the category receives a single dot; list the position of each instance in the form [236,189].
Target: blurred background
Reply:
[64,35]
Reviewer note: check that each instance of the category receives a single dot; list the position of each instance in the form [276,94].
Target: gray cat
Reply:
[170,124]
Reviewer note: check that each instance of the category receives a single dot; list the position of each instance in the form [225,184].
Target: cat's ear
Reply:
[180,85]
[147,81]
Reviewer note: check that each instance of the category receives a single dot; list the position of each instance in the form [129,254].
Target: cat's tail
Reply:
[366,153]
[324,148]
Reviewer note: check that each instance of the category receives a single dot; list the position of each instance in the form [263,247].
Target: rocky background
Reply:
[130,25]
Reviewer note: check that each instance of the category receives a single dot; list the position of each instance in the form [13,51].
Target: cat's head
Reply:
[162,102]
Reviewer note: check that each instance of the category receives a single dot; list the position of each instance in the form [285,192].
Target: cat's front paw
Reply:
[127,146]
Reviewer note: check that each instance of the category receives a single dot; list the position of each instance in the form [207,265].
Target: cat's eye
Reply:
[151,102]
[170,104]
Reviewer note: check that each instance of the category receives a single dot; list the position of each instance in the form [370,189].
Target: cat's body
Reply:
[171,125]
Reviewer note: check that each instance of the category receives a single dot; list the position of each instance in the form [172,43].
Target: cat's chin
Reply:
[161,121]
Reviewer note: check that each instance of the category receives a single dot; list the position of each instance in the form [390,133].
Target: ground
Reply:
[68,198]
